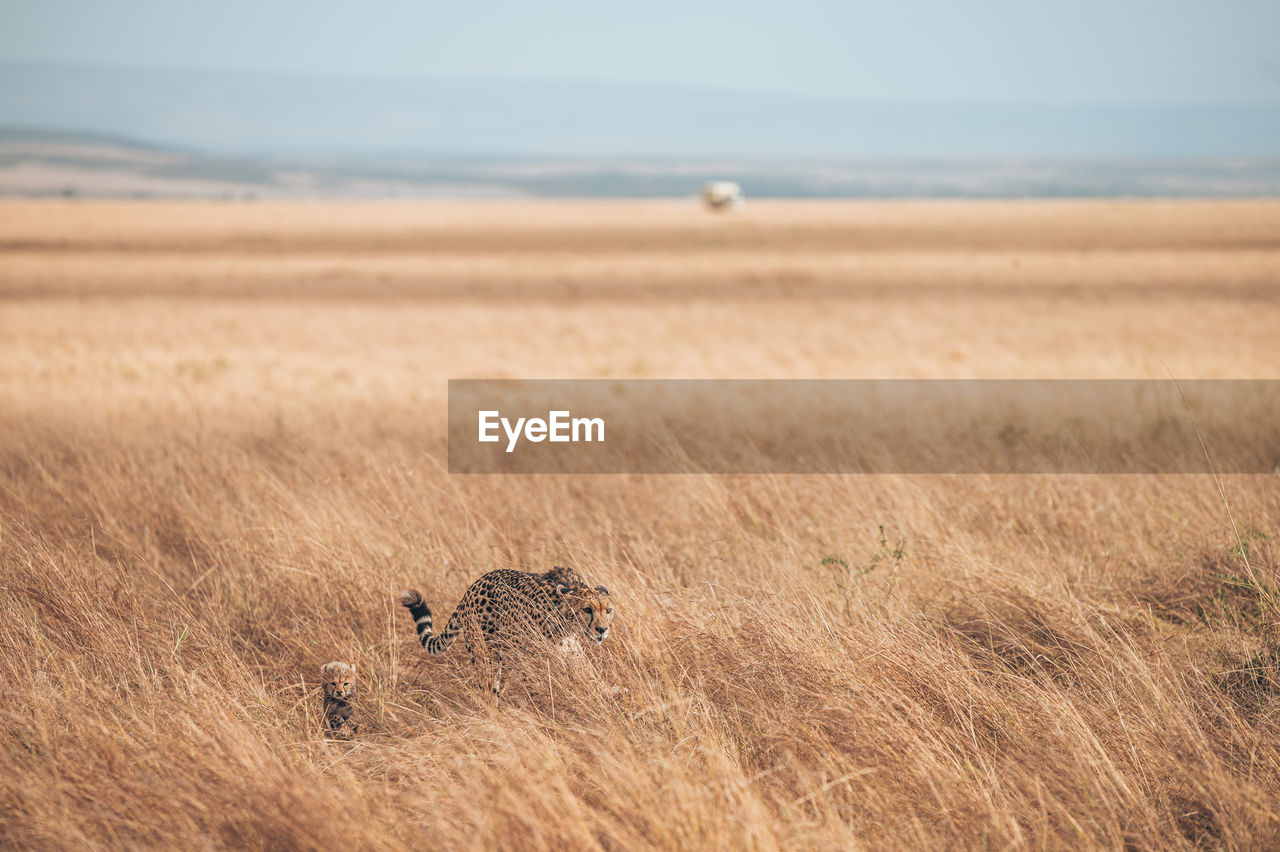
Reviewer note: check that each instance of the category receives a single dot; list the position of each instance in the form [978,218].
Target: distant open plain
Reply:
[223,455]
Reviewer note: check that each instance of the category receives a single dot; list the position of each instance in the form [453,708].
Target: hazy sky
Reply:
[1037,51]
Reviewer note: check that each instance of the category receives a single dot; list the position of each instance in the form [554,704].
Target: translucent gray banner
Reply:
[857,426]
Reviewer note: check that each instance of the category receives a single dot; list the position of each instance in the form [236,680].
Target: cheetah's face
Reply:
[339,680]
[591,609]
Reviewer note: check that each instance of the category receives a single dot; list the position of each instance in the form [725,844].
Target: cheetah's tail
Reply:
[412,600]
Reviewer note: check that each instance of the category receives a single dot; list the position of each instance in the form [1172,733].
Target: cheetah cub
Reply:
[339,681]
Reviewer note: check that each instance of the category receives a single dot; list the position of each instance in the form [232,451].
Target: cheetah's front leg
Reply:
[496,656]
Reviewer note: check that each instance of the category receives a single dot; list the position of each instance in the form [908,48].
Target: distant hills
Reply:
[134,133]
[239,113]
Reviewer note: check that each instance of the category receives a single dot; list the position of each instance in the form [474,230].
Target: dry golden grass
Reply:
[223,452]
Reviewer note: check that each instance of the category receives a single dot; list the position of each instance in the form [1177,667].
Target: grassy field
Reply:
[222,457]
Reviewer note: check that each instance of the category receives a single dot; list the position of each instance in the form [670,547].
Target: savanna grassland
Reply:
[222,456]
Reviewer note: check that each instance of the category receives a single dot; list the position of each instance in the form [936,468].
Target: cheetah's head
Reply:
[339,680]
[590,608]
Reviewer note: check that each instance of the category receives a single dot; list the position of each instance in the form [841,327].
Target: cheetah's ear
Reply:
[602,588]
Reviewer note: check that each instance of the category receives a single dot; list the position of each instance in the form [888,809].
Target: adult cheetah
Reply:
[505,607]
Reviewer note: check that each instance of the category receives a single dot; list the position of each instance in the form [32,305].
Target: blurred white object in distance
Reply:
[722,195]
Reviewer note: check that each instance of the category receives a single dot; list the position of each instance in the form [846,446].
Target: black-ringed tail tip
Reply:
[412,600]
